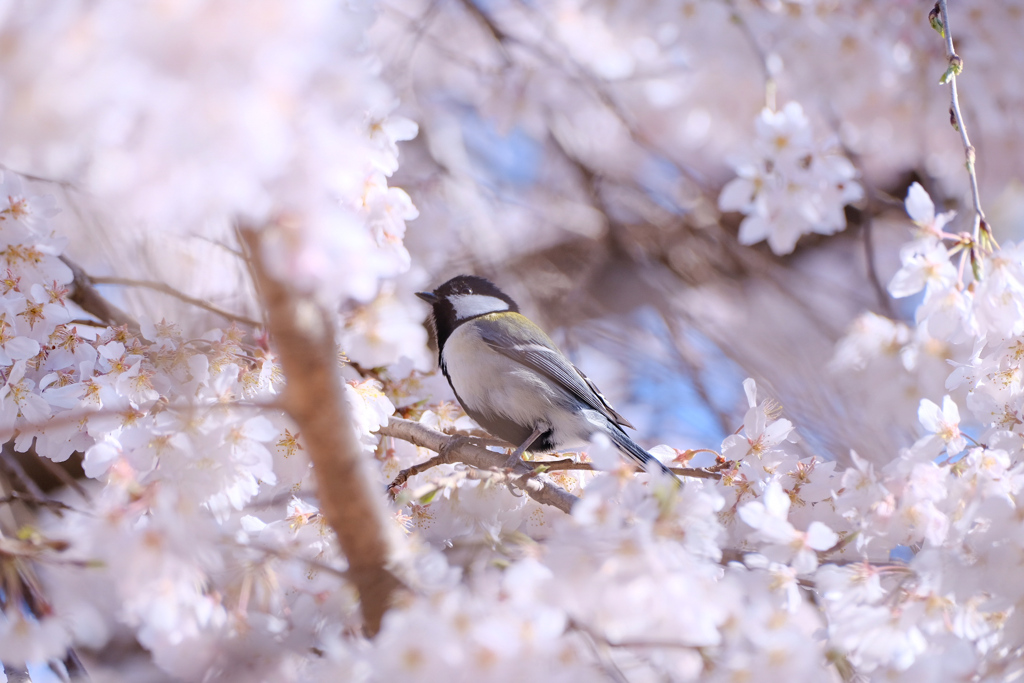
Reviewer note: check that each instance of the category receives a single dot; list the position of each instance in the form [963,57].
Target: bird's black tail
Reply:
[632,449]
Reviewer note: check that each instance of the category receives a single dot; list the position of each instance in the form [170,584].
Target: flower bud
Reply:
[935,19]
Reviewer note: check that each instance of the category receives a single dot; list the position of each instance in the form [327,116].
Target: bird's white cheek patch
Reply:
[470,305]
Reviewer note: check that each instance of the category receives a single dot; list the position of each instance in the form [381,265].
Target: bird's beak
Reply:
[429,297]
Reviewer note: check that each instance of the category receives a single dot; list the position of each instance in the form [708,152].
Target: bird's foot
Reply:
[513,460]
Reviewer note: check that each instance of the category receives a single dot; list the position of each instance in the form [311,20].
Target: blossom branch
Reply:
[460,449]
[181,296]
[304,336]
[955,67]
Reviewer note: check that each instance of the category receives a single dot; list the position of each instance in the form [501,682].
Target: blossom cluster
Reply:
[196,471]
[194,117]
[194,540]
[795,185]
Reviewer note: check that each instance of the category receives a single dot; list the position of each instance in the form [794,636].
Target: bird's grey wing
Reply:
[613,414]
[542,355]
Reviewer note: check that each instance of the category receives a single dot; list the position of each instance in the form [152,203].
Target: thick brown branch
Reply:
[303,335]
[453,449]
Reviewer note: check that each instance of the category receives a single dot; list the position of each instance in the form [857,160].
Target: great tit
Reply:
[512,379]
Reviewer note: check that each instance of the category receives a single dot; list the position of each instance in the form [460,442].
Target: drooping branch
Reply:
[957,118]
[770,85]
[303,335]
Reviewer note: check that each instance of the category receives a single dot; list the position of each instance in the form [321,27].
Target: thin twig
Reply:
[606,663]
[499,36]
[867,226]
[181,296]
[597,86]
[284,554]
[955,65]
[714,472]
[681,347]
[11,464]
[84,293]
[51,503]
[56,470]
[884,301]
[452,449]
[770,85]
[66,184]
[646,643]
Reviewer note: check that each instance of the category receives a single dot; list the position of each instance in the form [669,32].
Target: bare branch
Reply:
[164,288]
[303,333]
[693,472]
[287,555]
[50,503]
[466,450]
[458,449]
[409,472]
[84,294]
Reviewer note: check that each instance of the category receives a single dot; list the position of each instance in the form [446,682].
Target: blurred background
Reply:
[574,152]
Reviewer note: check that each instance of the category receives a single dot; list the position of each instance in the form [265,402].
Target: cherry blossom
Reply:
[921,210]
[768,517]
[925,264]
[944,423]
[540,142]
[795,187]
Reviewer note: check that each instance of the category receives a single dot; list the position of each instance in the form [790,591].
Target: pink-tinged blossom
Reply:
[17,348]
[999,295]
[878,636]
[792,186]
[369,409]
[100,457]
[18,399]
[925,264]
[871,337]
[944,423]
[289,130]
[946,314]
[769,517]
[921,210]
[23,218]
[760,435]
[604,455]
[25,639]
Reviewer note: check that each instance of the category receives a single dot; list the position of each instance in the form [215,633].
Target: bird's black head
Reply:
[463,298]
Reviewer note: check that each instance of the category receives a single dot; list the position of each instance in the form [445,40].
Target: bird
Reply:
[513,381]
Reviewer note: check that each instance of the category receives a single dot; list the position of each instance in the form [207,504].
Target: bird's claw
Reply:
[512,461]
